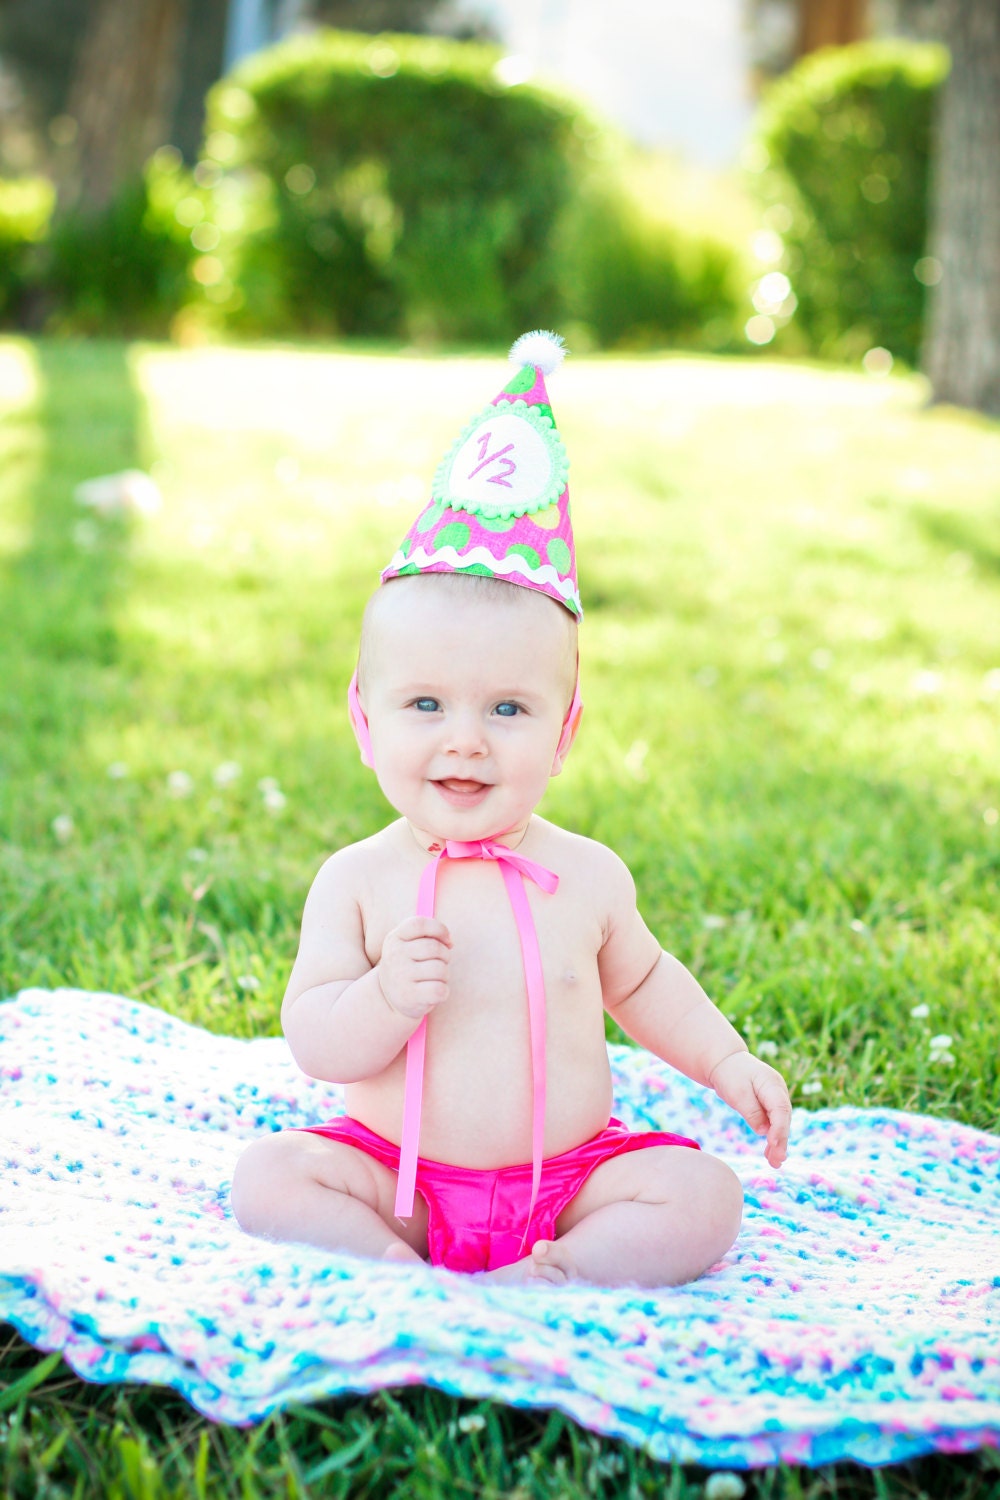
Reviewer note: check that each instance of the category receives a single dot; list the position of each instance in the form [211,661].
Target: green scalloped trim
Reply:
[538,417]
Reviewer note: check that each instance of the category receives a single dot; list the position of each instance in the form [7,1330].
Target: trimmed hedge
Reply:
[396,185]
[393,187]
[632,278]
[847,137]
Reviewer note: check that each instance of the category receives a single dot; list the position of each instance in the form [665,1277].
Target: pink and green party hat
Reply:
[499,501]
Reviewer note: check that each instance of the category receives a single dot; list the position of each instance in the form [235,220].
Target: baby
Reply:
[474,927]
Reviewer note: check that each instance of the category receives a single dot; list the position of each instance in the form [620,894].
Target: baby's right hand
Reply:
[413,969]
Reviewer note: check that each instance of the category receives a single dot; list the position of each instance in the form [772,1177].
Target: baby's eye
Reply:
[426,705]
[507,710]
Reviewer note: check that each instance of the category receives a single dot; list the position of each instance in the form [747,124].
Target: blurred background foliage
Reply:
[843,152]
[401,186]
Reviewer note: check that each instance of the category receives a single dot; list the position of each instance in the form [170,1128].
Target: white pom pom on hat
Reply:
[540,348]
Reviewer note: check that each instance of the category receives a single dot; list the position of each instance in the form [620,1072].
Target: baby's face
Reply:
[465,702]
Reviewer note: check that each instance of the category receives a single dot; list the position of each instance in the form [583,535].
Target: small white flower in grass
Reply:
[118,770]
[926,683]
[197,856]
[814,1086]
[711,922]
[635,760]
[940,1050]
[920,1012]
[724,1486]
[473,1422]
[248,982]
[180,784]
[63,828]
[767,1049]
[130,493]
[268,784]
[226,773]
[274,799]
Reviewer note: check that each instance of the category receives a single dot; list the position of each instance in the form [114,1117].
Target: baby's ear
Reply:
[359,723]
[571,724]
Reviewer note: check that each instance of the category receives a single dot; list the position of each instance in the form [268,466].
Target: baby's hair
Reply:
[492,591]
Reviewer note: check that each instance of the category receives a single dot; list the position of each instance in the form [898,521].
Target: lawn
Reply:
[791,667]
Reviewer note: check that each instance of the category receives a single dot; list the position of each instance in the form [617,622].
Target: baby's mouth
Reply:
[457,789]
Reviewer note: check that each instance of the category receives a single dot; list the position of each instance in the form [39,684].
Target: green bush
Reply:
[633,279]
[846,139]
[396,184]
[26,205]
[390,187]
[123,269]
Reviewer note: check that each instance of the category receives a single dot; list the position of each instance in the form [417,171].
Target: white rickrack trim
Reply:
[502,566]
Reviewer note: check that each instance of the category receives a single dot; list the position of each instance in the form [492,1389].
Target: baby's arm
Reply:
[344,1018]
[657,1002]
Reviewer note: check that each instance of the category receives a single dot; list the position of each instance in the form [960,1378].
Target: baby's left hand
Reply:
[759,1093]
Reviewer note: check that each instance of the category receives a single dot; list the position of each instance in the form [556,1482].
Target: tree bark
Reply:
[830,23]
[122,95]
[962,340]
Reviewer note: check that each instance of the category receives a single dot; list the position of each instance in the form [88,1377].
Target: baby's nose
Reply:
[464,735]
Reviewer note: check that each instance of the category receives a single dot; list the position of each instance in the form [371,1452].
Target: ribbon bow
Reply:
[515,869]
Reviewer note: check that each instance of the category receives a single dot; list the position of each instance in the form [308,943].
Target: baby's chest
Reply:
[486,957]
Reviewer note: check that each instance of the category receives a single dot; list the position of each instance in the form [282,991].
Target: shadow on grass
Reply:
[980,541]
[59,594]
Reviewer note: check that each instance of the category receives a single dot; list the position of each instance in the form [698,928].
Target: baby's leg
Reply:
[656,1217]
[303,1188]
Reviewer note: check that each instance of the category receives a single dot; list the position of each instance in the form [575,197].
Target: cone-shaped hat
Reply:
[499,501]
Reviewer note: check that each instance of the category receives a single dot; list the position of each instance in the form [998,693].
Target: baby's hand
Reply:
[758,1092]
[413,969]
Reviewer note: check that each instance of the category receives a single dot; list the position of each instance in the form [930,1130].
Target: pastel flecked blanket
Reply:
[858,1315]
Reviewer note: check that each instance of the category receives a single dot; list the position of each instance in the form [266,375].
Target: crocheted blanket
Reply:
[858,1315]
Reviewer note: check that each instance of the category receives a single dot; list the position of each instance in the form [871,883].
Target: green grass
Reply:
[791,666]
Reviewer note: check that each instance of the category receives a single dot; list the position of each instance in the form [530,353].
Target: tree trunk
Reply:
[200,64]
[830,23]
[962,340]
[122,95]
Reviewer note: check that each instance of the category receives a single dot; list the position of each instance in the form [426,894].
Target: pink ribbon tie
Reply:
[515,869]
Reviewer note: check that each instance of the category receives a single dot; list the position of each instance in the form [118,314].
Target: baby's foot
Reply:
[548,1261]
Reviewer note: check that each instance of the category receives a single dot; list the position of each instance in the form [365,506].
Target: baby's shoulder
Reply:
[356,866]
[585,859]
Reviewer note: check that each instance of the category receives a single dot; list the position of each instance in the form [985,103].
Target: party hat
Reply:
[499,501]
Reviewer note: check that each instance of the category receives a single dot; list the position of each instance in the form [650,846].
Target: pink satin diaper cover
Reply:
[476,1219]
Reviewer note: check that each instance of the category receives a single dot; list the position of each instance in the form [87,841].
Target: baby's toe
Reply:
[549,1262]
